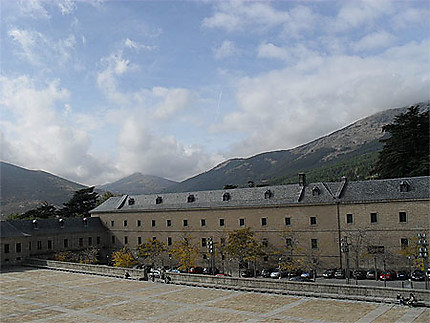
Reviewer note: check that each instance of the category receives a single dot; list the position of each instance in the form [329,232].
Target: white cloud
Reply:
[373,41]
[269,50]
[173,101]
[33,9]
[66,6]
[39,50]
[288,107]
[227,49]
[39,137]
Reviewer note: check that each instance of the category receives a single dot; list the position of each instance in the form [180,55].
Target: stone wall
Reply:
[364,293]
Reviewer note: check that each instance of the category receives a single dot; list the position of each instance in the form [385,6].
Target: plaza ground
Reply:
[41,295]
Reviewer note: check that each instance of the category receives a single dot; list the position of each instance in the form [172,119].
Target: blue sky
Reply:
[96,90]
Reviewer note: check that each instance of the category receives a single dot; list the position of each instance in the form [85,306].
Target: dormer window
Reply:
[61,223]
[268,194]
[226,196]
[404,186]
[85,221]
[158,200]
[131,201]
[35,224]
[316,191]
[191,198]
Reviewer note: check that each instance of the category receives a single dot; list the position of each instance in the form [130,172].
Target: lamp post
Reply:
[410,270]
[345,249]
[423,253]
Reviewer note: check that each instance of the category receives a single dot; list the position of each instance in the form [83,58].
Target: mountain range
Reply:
[351,151]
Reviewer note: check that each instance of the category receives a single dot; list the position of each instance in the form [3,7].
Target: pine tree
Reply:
[81,203]
[406,151]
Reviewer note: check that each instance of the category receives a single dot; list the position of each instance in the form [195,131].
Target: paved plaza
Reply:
[39,295]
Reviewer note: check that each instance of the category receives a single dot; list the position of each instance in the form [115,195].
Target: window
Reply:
[66,243]
[203,222]
[204,256]
[242,222]
[226,196]
[314,243]
[222,241]
[169,241]
[221,222]
[139,240]
[18,247]
[169,223]
[112,223]
[125,223]
[39,245]
[373,217]
[98,240]
[404,243]
[349,218]
[139,223]
[6,248]
[81,242]
[263,221]
[265,242]
[313,220]
[125,240]
[287,221]
[113,239]
[203,242]
[153,223]
[90,241]
[49,244]
[29,245]
[402,217]
[185,223]
[154,238]
[289,242]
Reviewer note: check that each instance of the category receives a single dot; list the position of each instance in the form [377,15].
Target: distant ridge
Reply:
[23,189]
[350,151]
[138,183]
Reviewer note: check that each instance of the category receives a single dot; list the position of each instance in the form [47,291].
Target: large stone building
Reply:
[306,221]
[302,221]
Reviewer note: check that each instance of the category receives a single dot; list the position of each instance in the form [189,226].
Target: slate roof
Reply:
[49,226]
[313,193]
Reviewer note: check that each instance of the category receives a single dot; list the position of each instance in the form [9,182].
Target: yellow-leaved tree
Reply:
[123,258]
[186,251]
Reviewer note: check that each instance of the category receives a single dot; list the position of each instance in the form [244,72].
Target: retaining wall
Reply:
[313,289]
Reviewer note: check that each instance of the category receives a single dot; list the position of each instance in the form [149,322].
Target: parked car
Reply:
[402,275]
[339,274]
[266,272]
[359,274]
[278,273]
[294,273]
[300,279]
[309,274]
[196,270]
[371,274]
[248,273]
[208,271]
[173,270]
[418,275]
[388,275]
[223,275]
[329,273]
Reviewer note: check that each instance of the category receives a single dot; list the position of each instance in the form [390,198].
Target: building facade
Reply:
[379,219]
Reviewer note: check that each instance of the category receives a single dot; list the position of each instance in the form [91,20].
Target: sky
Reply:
[95,90]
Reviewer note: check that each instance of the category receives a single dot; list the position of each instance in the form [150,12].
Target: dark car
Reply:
[248,273]
[388,275]
[418,275]
[196,270]
[300,279]
[329,273]
[339,274]
[359,274]
[294,273]
[210,271]
[371,274]
[266,272]
[402,275]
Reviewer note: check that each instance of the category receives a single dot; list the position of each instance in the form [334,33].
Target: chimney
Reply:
[302,179]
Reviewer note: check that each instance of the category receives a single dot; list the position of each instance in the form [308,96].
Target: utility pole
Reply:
[345,249]
[423,253]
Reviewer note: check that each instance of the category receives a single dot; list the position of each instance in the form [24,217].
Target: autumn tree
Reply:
[290,252]
[406,150]
[242,245]
[151,250]
[123,258]
[186,251]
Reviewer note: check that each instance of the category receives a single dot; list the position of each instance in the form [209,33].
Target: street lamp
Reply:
[345,249]
[410,270]
[423,253]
